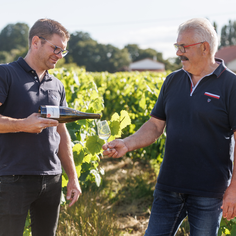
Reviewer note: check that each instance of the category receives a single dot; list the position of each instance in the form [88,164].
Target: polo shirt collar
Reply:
[27,68]
[24,65]
[218,71]
[221,68]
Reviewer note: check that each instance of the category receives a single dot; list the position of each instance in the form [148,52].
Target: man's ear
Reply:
[206,47]
[35,42]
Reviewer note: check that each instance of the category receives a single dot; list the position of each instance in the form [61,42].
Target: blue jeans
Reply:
[170,208]
[39,194]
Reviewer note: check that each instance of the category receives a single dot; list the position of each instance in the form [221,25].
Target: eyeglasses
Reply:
[57,50]
[182,46]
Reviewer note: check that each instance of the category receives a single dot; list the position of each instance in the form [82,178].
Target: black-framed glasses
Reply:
[182,47]
[57,50]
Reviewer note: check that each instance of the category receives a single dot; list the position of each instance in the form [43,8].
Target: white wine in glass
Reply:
[104,131]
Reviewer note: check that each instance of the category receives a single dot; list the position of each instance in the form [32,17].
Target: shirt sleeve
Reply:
[232,105]
[4,83]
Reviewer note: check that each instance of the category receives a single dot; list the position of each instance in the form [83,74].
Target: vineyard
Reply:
[125,100]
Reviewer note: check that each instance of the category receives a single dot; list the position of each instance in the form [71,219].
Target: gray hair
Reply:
[204,31]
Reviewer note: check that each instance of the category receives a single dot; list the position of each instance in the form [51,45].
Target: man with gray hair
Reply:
[197,108]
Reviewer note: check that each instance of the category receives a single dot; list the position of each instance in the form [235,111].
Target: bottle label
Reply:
[52,112]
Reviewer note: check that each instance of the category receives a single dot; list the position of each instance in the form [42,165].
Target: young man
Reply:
[197,107]
[32,148]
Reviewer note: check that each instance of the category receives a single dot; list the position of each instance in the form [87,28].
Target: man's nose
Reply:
[178,52]
[59,55]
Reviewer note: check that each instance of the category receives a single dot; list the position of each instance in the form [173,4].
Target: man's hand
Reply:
[73,191]
[229,203]
[116,148]
[147,134]
[32,124]
[36,124]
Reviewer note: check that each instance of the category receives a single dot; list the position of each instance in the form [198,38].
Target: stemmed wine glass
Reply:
[104,131]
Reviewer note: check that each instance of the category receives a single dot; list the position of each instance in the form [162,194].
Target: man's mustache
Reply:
[183,58]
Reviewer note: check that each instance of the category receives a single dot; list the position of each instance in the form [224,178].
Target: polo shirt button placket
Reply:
[35,77]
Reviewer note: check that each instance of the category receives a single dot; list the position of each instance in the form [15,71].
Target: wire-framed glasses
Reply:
[182,47]
[57,50]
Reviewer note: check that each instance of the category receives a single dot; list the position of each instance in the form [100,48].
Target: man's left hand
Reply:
[73,191]
[229,203]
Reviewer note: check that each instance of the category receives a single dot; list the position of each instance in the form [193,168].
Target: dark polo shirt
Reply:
[21,94]
[200,122]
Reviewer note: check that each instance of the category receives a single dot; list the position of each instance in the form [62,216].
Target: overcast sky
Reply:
[148,23]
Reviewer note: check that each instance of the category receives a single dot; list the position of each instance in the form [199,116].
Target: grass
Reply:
[86,218]
[120,206]
[116,207]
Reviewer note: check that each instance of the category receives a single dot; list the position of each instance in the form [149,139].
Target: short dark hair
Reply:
[46,28]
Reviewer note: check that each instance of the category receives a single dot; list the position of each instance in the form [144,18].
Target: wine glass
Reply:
[104,131]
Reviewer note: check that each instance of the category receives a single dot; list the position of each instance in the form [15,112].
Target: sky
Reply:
[147,23]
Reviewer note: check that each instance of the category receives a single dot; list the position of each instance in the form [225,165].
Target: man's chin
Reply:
[184,66]
[51,65]
[184,62]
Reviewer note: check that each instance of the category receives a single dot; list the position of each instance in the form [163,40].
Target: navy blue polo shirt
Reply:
[21,94]
[200,122]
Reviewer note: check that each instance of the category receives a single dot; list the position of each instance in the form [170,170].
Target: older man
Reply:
[197,106]
[32,148]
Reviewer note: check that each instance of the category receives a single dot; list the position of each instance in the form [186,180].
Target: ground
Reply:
[133,183]
[120,206]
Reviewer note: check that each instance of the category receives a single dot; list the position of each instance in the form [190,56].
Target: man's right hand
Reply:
[36,124]
[116,148]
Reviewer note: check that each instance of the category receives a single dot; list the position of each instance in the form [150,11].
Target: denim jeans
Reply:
[170,208]
[39,194]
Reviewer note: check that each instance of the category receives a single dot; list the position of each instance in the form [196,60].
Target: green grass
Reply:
[124,192]
[87,218]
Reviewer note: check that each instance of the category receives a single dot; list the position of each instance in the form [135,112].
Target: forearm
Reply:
[229,199]
[148,133]
[233,178]
[65,152]
[66,156]
[31,124]
[11,125]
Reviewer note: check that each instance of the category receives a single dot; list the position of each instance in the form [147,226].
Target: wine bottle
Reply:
[65,114]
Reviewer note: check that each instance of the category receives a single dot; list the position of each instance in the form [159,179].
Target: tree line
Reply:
[87,52]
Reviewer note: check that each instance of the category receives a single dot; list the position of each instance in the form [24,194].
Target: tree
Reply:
[75,38]
[117,58]
[5,57]
[137,53]
[228,34]
[85,51]
[14,36]
[215,26]
[133,50]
